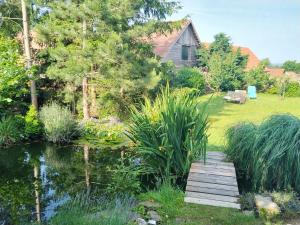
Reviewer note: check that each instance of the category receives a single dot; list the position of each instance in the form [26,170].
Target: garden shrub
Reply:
[169,134]
[59,124]
[33,126]
[258,151]
[190,78]
[247,201]
[11,130]
[288,202]
[292,89]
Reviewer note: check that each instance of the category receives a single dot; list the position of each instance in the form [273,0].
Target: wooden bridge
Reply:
[213,183]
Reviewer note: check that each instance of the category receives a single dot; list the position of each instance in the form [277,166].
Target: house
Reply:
[179,46]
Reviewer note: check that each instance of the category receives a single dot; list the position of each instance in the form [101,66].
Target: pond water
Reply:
[36,178]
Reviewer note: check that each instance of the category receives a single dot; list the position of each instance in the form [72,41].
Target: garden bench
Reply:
[239,96]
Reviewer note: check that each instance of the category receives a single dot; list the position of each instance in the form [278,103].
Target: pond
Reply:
[36,178]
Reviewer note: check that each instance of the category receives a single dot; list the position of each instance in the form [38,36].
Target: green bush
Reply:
[292,89]
[11,130]
[169,134]
[288,202]
[190,78]
[59,124]
[33,126]
[259,151]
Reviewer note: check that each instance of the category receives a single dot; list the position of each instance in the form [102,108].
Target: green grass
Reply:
[223,115]
[174,211]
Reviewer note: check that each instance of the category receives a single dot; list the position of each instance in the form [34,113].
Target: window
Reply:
[185,52]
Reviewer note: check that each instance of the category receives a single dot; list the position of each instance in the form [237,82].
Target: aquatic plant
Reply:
[268,155]
[85,209]
[169,134]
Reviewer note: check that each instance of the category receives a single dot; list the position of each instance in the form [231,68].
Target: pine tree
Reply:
[92,42]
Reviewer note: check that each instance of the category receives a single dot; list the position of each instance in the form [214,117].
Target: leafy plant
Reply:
[170,199]
[169,134]
[33,126]
[292,89]
[190,78]
[288,202]
[247,201]
[11,130]
[59,123]
[258,151]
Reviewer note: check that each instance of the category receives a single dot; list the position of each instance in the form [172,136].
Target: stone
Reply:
[149,204]
[154,216]
[248,213]
[152,222]
[141,221]
[266,207]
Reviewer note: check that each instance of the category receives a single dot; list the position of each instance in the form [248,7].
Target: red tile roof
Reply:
[253,61]
[275,72]
[162,42]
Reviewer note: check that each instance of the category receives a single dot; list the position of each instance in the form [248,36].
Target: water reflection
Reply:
[36,178]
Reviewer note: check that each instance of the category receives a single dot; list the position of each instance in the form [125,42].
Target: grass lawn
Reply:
[174,211]
[222,114]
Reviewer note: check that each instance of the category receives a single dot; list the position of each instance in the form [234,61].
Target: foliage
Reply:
[168,197]
[102,42]
[224,64]
[247,201]
[33,126]
[169,134]
[288,202]
[291,65]
[89,210]
[259,78]
[104,135]
[125,179]
[11,130]
[258,151]
[293,89]
[13,78]
[59,124]
[173,210]
[190,78]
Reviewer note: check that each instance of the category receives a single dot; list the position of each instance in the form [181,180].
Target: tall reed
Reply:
[268,155]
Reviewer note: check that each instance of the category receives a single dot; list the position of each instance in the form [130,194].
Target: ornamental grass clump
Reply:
[169,134]
[59,124]
[268,155]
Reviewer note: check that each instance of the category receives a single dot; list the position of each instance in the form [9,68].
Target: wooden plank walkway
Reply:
[213,183]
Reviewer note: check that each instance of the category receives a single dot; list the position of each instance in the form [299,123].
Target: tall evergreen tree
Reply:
[91,41]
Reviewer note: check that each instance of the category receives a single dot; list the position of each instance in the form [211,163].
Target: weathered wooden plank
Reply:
[207,179]
[210,161]
[216,153]
[216,167]
[212,197]
[212,202]
[222,173]
[212,191]
[213,186]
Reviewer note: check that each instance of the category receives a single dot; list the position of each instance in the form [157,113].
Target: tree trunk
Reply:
[85,92]
[27,52]
[85,97]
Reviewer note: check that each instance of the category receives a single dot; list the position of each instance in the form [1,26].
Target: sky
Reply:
[270,28]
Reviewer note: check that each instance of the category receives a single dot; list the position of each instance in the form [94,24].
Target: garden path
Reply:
[213,182]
